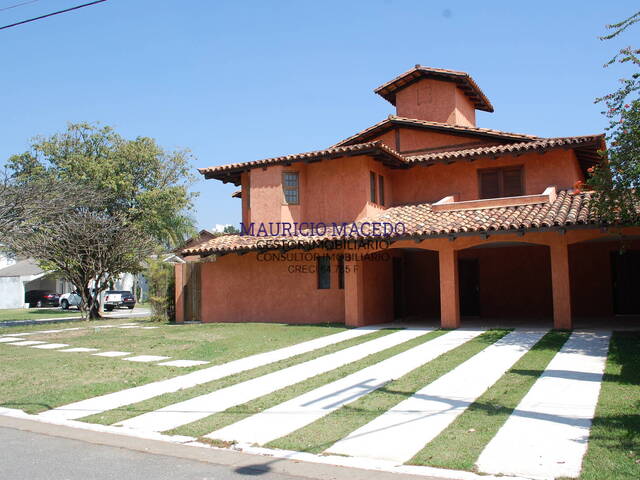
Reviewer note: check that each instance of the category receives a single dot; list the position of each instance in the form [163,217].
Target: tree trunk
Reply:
[94,313]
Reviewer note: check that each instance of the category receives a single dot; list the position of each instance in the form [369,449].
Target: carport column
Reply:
[353,293]
[560,283]
[449,297]
[180,274]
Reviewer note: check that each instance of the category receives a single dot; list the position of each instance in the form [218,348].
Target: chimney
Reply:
[436,95]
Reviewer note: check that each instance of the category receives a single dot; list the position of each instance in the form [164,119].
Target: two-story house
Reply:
[486,223]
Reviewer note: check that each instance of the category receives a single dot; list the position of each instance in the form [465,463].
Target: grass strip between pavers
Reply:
[614,442]
[460,444]
[129,411]
[237,413]
[321,434]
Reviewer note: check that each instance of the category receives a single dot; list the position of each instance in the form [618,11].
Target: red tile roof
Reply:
[394,120]
[462,79]
[377,149]
[504,149]
[422,221]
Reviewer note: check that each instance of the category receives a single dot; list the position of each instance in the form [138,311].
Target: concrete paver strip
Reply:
[402,431]
[188,411]
[39,332]
[183,363]
[547,434]
[79,350]
[113,400]
[111,354]
[51,346]
[296,413]
[26,343]
[146,358]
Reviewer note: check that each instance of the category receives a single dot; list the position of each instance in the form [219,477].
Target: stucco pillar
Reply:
[449,296]
[560,283]
[354,293]
[179,286]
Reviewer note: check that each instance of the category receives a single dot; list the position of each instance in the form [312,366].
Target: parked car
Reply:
[42,298]
[118,298]
[71,299]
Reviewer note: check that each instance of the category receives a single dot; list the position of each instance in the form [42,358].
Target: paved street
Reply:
[33,456]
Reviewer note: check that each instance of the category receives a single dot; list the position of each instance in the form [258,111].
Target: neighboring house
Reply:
[494,225]
[24,275]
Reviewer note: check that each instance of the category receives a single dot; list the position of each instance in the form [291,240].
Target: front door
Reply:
[626,282]
[469,282]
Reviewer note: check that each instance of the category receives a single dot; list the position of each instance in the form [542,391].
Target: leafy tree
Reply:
[137,179]
[617,180]
[230,229]
[161,280]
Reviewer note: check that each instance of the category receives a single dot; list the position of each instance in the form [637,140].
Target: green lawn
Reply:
[460,445]
[35,313]
[614,443]
[35,380]
[323,433]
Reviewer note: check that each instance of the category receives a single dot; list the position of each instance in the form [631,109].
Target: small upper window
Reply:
[291,188]
[372,185]
[501,182]
[381,189]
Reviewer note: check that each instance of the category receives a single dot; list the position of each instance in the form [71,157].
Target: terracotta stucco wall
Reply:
[436,101]
[378,291]
[430,184]
[242,289]
[409,140]
[330,191]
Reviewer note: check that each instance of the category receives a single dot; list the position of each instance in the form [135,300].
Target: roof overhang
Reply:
[462,80]
[376,150]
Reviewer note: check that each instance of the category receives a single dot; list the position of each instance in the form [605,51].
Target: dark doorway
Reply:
[626,282]
[398,288]
[469,282]
[192,292]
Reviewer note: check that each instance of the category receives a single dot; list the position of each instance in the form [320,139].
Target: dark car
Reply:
[118,298]
[42,298]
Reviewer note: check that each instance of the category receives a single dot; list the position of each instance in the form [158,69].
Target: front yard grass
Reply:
[35,314]
[36,380]
[321,434]
[614,443]
[460,444]
[119,414]
[237,413]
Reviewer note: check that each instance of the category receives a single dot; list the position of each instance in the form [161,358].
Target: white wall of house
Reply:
[11,292]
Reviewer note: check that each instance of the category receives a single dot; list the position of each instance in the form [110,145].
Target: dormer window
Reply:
[501,182]
[291,188]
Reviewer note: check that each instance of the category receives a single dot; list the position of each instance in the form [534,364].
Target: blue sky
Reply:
[242,80]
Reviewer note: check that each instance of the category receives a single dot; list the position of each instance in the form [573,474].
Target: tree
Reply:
[230,229]
[616,181]
[21,202]
[89,246]
[137,179]
[161,281]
